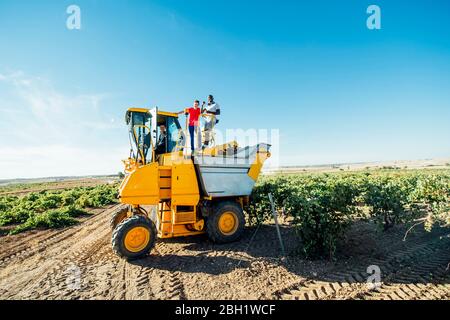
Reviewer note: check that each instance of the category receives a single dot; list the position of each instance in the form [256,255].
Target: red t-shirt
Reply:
[194,114]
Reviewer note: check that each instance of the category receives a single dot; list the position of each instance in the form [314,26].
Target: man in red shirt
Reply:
[194,115]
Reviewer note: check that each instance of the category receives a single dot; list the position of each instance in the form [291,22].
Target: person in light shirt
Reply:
[211,112]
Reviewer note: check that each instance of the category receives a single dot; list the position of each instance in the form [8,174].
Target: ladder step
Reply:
[184,217]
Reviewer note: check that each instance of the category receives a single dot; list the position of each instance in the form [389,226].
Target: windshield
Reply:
[139,130]
[175,134]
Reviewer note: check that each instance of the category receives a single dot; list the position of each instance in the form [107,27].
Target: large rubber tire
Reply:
[137,223]
[218,225]
[118,216]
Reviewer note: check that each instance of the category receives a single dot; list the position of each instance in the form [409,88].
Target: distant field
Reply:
[35,185]
[443,163]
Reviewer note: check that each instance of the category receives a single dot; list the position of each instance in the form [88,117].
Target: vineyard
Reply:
[53,209]
[321,206]
[324,205]
[357,219]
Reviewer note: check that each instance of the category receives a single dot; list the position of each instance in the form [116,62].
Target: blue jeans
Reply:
[192,130]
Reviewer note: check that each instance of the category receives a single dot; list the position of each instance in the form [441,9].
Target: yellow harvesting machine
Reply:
[169,192]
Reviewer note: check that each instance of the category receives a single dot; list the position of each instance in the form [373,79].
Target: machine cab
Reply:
[152,133]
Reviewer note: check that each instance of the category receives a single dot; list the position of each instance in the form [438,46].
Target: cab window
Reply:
[174,133]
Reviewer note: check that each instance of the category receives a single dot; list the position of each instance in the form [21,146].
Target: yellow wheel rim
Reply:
[137,239]
[228,223]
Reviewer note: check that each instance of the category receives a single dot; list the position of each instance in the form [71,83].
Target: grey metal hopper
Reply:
[227,175]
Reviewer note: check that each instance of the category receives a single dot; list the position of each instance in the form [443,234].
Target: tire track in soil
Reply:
[94,275]
[41,275]
[174,269]
[428,279]
[167,284]
[221,259]
[404,272]
[29,246]
[345,285]
[143,285]
[227,259]
[170,284]
[44,275]
[139,280]
[53,284]
[343,278]
[135,279]
[175,288]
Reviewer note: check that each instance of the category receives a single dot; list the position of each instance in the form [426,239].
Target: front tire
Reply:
[226,223]
[118,216]
[134,237]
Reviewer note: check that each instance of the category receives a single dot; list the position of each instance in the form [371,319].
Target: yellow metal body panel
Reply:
[140,187]
[180,231]
[168,159]
[168,114]
[144,110]
[255,168]
[184,185]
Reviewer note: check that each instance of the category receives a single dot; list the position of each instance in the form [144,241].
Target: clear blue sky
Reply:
[337,91]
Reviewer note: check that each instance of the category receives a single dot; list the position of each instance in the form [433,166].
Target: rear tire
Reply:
[226,223]
[134,237]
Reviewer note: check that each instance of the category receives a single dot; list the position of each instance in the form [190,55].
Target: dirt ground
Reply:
[78,263]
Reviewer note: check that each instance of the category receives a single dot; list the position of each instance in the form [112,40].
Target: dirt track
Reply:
[77,263]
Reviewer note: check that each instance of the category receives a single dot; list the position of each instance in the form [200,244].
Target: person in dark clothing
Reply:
[161,144]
